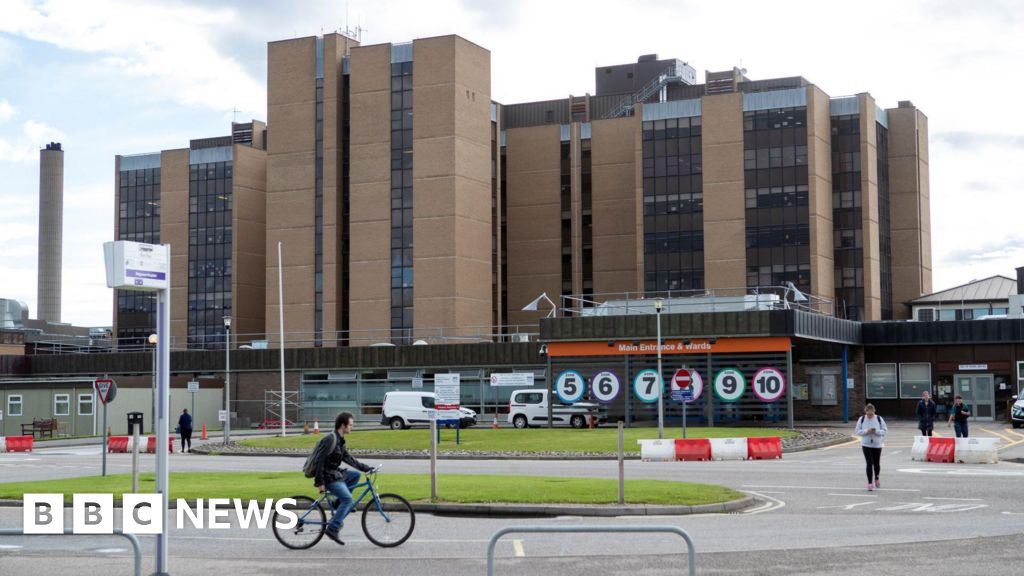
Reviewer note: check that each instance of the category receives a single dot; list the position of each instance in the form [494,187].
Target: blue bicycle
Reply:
[388,519]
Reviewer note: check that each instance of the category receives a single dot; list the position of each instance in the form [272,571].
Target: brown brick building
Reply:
[410,206]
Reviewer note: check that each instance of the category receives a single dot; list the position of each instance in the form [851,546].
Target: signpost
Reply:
[448,394]
[193,389]
[516,379]
[147,268]
[683,389]
[106,390]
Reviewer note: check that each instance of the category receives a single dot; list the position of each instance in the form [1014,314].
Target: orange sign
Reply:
[668,346]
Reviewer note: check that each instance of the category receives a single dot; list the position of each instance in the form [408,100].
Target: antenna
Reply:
[234,112]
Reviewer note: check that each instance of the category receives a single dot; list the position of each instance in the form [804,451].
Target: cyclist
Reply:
[331,453]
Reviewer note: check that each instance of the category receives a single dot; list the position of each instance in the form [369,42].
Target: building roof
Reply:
[987,289]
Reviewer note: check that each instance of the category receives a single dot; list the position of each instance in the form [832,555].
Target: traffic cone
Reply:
[305,426]
[316,426]
[494,423]
[203,436]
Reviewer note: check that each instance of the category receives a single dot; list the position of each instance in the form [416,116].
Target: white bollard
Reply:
[977,450]
[919,451]
[657,450]
[3,444]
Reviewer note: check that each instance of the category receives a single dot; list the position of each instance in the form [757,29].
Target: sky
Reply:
[109,77]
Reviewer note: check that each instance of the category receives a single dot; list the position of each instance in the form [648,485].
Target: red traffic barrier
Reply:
[19,443]
[693,449]
[766,448]
[941,449]
[151,444]
[117,444]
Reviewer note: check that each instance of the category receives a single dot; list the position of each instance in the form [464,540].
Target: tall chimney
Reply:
[1020,280]
[51,231]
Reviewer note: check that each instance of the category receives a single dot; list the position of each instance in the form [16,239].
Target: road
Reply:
[814,516]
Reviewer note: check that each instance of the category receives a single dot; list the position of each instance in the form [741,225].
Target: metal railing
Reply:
[694,301]
[625,107]
[690,548]
[131,538]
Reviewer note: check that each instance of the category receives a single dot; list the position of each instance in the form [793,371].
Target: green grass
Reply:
[469,488]
[482,439]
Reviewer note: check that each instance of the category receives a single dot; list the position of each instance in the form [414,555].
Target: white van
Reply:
[529,407]
[402,409]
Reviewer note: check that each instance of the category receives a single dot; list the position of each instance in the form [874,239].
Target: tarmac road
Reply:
[814,516]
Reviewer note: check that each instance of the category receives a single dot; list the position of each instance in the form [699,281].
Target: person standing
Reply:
[926,410]
[958,417]
[185,428]
[872,430]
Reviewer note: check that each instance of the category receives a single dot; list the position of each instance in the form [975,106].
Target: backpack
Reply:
[310,467]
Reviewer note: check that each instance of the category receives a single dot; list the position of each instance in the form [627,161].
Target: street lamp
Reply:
[227,379]
[658,302]
[152,392]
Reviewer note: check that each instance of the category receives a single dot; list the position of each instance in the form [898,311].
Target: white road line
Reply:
[110,550]
[767,492]
[957,499]
[14,548]
[771,505]
[854,495]
[518,546]
[826,488]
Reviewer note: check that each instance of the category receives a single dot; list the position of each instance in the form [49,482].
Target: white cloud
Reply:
[24,146]
[169,46]
[6,110]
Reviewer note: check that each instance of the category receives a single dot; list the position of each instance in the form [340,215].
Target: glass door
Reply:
[978,391]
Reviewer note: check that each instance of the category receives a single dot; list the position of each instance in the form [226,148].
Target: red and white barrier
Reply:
[657,450]
[949,450]
[693,449]
[151,444]
[19,443]
[3,444]
[118,444]
[764,448]
[696,449]
[729,449]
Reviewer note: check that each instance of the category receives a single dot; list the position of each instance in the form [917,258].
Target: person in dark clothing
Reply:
[958,416]
[330,477]
[926,410]
[185,429]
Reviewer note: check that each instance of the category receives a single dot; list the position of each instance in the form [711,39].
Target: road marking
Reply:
[964,472]
[929,507]
[999,434]
[850,443]
[958,499]
[767,492]
[827,488]
[1013,513]
[847,506]
[771,505]
[110,550]
[854,495]
[14,548]
[518,546]
[895,453]
[1014,432]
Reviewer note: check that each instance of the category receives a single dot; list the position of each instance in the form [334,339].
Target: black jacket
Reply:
[328,463]
[925,412]
[185,421]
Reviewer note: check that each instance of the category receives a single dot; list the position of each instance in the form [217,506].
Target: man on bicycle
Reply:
[331,453]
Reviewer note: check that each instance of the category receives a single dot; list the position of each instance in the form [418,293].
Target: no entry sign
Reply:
[687,385]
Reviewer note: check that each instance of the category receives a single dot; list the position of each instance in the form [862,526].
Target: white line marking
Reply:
[110,550]
[957,499]
[854,495]
[827,488]
[767,492]
[1013,513]
[14,548]
[771,505]
[518,546]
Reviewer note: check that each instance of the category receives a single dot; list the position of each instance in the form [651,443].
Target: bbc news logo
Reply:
[142,513]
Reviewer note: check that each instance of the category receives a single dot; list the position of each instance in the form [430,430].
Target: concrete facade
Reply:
[911,206]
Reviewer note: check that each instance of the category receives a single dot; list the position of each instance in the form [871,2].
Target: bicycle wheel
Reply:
[390,524]
[309,528]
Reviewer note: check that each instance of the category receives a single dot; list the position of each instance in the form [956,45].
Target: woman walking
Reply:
[871,429]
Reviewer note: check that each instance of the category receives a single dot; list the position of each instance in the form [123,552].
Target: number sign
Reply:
[648,385]
[769,384]
[729,385]
[605,387]
[570,386]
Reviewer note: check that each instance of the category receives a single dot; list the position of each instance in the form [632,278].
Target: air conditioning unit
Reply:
[520,337]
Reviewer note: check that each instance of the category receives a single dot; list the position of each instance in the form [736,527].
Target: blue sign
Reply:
[683,395]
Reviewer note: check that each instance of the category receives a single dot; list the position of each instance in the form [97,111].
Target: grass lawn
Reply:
[484,439]
[469,488]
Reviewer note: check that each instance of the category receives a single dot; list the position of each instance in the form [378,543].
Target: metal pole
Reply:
[106,439]
[789,389]
[433,457]
[684,416]
[622,469]
[661,391]
[710,402]
[135,459]
[846,393]
[163,299]
[227,385]
[280,325]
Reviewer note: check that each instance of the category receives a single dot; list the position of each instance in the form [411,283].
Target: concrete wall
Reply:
[869,208]
[910,207]
[174,231]
[248,242]
[725,257]
[819,185]
[616,205]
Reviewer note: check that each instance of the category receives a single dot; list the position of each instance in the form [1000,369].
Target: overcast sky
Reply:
[108,77]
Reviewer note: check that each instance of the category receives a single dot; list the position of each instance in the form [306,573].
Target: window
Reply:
[915,379]
[61,404]
[14,405]
[1020,377]
[880,381]
[926,314]
[85,404]
[427,401]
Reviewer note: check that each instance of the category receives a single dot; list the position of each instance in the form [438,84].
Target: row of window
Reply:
[147,176]
[883,384]
[61,404]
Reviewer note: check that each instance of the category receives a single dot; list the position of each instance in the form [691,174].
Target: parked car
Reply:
[1017,412]
[403,409]
[529,407]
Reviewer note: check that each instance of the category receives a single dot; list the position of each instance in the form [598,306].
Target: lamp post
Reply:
[152,393]
[658,302]
[227,379]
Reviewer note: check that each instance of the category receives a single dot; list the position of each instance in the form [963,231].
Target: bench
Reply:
[43,427]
